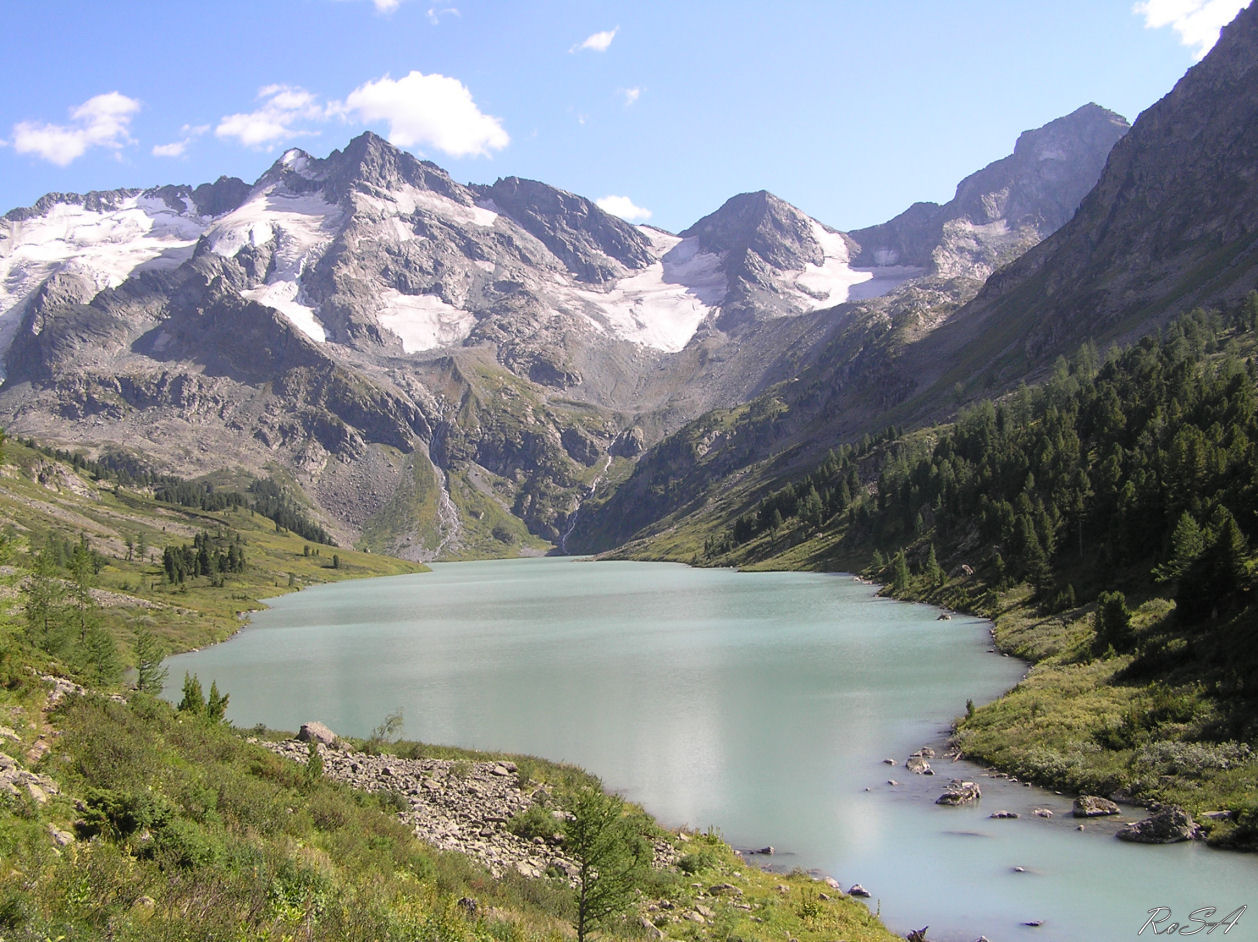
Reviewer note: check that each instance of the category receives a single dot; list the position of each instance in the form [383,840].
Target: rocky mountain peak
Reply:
[758,224]
[593,244]
[1171,223]
[776,259]
[369,162]
[1000,211]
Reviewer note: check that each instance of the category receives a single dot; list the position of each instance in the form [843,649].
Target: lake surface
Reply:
[761,704]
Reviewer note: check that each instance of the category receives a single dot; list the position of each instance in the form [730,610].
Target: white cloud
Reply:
[101,121]
[1196,21]
[283,108]
[428,111]
[623,207]
[386,6]
[175,149]
[598,42]
[180,148]
[436,13]
[631,95]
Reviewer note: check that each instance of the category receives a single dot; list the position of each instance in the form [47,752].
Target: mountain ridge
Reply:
[446,368]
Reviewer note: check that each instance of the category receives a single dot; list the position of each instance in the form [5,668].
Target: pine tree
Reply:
[216,706]
[1187,542]
[1112,622]
[900,578]
[610,854]
[149,653]
[932,570]
[193,698]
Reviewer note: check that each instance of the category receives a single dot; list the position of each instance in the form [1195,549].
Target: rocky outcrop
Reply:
[15,780]
[1168,824]
[1093,806]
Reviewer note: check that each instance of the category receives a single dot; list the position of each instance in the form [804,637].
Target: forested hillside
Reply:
[1107,519]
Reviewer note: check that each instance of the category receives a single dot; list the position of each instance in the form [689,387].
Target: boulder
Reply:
[1093,806]
[959,793]
[316,732]
[859,891]
[1003,814]
[918,765]
[1168,824]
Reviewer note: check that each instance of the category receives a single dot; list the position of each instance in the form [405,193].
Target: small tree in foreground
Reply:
[610,853]
[149,653]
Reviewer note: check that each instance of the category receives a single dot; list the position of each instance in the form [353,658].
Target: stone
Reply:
[1093,806]
[1043,812]
[317,732]
[918,765]
[1003,814]
[59,837]
[859,891]
[767,851]
[1168,824]
[959,793]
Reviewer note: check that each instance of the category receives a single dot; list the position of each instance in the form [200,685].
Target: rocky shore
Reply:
[454,804]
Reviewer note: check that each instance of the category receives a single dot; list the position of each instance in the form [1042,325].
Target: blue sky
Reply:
[850,109]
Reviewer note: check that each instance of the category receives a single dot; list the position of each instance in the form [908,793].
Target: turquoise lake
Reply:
[760,704]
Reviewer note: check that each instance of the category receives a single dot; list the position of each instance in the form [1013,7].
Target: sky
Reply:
[850,109]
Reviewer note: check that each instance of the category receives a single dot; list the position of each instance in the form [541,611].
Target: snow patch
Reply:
[285,297]
[410,199]
[423,321]
[830,282]
[308,221]
[302,227]
[663,305]
[835,280]
[105,248]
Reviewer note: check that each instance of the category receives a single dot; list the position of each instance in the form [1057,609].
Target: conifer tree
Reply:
[610,854]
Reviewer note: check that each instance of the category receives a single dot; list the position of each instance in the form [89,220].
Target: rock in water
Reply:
[1168,824]
[1093,806]
[959,793]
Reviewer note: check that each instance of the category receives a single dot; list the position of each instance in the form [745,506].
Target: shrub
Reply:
[534,821]
[696,861]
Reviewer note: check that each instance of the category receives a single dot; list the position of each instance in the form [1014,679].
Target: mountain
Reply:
[1171,223]
[439,369]
[1005,208]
